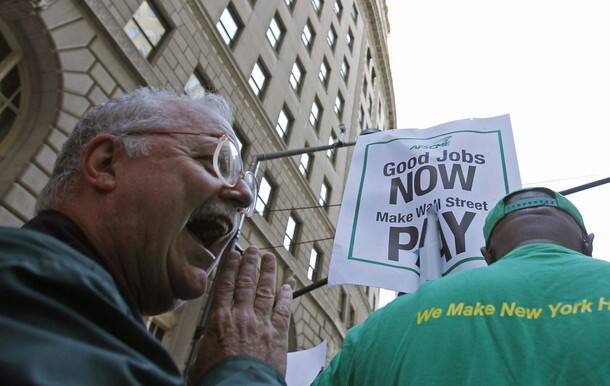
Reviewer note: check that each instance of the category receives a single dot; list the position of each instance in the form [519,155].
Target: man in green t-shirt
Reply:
[538,315]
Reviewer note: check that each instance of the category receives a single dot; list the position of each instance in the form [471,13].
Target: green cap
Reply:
[502,209]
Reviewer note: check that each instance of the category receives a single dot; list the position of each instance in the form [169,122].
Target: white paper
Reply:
[430,267]
[461,168]
[304,366]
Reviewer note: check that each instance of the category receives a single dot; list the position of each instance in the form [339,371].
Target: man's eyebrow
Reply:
[199,146]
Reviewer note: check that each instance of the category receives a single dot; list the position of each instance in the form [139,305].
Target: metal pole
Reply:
[203,323]
[585,186]
[256,158]
[309,288]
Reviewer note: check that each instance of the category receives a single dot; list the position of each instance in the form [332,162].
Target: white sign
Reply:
[458,169]
[303,367]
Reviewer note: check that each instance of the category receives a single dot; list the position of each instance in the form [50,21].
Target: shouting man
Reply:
[145,196]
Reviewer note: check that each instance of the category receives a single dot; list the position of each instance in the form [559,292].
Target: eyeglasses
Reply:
[229,169]
[226,161]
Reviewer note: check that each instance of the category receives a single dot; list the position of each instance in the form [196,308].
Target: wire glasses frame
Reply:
[226,162]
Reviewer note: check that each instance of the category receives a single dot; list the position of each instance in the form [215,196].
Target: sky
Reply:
[546,63]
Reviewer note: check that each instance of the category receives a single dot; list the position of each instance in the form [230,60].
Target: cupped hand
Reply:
[247,316]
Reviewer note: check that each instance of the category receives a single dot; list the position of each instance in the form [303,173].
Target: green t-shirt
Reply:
[539,316]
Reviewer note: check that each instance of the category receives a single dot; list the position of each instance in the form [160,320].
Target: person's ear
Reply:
[489,255]
[98,162]
[588,245]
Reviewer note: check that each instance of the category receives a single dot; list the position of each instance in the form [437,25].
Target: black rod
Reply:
[309,288]
[586,186]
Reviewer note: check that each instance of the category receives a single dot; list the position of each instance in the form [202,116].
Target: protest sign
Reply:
[460,169]
[303,367]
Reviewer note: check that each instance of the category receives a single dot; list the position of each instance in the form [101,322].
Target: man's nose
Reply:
[240,195]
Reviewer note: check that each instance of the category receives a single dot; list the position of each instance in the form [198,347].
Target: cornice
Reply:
[377,38]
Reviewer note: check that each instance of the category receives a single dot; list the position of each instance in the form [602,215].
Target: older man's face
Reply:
[175,216]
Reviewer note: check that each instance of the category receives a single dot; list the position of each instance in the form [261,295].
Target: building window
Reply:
[317,6]
[368,57]
[197,84]
[305,164]
[243,144]
[156,330]
[354,12]
[338,7]
[349,39]
[290,3]
[146,29]
[308,36]
[332,153]
[263,197]
[361,117]
[315,113]
[297,74]
[312,269]
[344,70]
[275,32]
[284,122]
[331,38]
[258,78]
[342,304]
[324,193]
[370,106]
[324,72]
[292,228]
[339,103]
[10,85]
[351,322]
[365,87]
[229,25]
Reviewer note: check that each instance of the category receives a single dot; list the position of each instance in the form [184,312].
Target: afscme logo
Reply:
[441,143]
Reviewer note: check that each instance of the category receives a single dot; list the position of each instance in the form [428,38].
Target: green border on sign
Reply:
[350,255]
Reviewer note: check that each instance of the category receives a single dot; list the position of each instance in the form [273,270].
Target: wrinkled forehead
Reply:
[204,120]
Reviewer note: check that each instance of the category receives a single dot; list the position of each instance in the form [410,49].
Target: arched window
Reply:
[10,83]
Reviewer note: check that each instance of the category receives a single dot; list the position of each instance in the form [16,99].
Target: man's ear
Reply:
[98,162]
[489,255]
[588,245]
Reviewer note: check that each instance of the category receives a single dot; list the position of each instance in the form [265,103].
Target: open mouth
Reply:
[209,230]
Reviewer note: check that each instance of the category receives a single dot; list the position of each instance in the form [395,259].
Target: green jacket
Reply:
[539,316]
[63,322]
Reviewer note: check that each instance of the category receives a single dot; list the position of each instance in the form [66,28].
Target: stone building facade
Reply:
[300,73]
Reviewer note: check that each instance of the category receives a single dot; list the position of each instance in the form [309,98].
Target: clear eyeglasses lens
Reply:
[228,162]
[229,167]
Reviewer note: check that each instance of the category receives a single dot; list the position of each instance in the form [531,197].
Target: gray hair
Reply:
[143,109]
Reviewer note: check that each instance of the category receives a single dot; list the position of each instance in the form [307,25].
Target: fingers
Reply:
[265,292]
[281,311]
[224,286]
[245,284]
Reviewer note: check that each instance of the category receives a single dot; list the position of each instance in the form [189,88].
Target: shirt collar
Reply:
[61,227]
